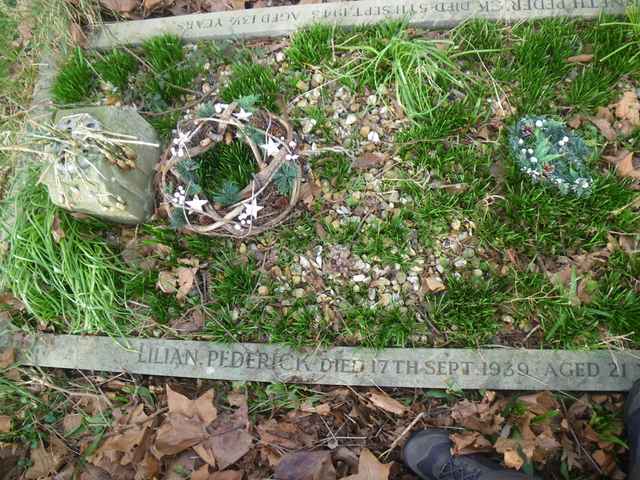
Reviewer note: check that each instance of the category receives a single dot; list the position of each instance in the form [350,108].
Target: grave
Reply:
[509,369]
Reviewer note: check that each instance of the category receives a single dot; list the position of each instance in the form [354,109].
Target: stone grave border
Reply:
[499,368]
[442,368]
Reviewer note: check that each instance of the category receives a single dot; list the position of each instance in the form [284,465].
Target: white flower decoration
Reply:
[196,204]
[272,147]
[252,208]
[243,115]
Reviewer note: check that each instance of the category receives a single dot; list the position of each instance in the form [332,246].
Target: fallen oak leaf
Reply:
[369,468]
[186,279]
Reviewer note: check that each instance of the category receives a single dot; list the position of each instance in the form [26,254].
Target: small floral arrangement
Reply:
[547,151]
[213,140]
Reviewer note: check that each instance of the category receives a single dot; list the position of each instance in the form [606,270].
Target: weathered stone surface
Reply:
[278,21]
[89,182]
[422,368]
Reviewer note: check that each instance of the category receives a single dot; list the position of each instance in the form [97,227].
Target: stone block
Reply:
[112,180]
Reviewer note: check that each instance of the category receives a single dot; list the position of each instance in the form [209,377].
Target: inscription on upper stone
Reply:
[277,21]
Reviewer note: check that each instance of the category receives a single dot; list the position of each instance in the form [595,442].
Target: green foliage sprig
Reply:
[547,151]
[285,178]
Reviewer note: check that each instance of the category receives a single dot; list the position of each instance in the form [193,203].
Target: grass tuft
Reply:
[171,74]
[74,81]
[73,285]
[116,68]
[420,71]
[249,79]
[311,46]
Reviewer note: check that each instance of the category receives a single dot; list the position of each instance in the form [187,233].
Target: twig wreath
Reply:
[264,201]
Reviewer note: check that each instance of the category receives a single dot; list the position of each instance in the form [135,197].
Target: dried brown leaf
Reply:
[177,433]
[201,474]
[369,468]
[202,407]
[193,321]
[186,279]
[167,282]
[7,357]
[627,167]
[71,422]
[5,424]
[370,160]
[226,475]
[583,58]
[206,454]
[386,403]
[512,459]
[150,5]
[229,439]
[78,37]
[285,435]
[323,409]
[468,442]
[56,229]
[305,466]
[628,108]
[120,6]
[605,128]
[46,461]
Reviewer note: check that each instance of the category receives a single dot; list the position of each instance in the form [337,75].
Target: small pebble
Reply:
[351,119]
[263,291]
[460,263]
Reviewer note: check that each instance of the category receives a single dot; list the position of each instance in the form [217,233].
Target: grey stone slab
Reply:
[276,21]
[82,179]
[505,369]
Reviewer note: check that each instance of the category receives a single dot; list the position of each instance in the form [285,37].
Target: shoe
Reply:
[428,454]
[632,424]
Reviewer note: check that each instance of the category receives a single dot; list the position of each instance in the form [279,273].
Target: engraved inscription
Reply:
[287,362]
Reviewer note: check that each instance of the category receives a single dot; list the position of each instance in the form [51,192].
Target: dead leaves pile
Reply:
[190,434]
[332,436]
[540,430]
